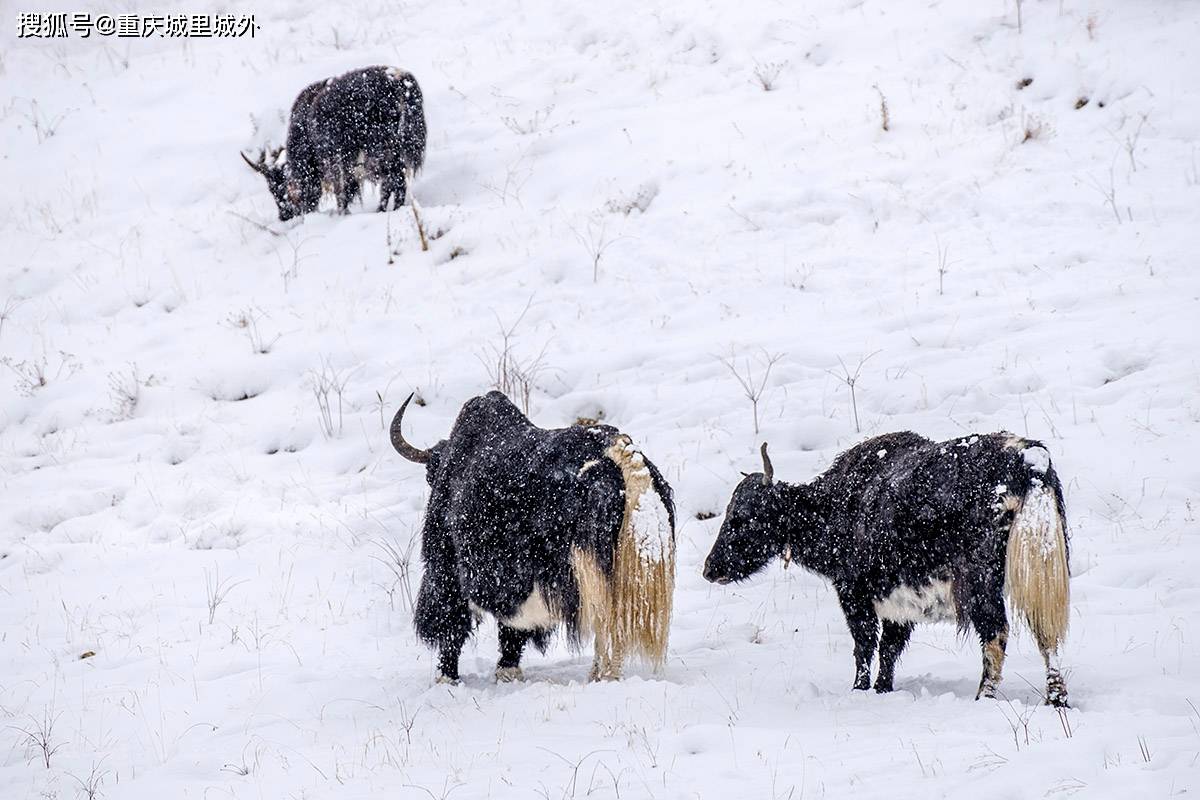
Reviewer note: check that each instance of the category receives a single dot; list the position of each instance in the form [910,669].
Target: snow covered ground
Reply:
[615,188]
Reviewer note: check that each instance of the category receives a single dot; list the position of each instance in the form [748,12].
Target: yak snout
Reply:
[714,572]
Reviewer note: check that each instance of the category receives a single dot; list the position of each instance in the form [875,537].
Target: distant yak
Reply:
[909,530]
[542,528]
[368,123]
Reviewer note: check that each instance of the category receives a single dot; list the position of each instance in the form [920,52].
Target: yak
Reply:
[368,123]
[909,530]
[542,529]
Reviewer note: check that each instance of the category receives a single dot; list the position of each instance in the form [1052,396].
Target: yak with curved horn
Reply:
[909,530]
[368,123]
[542,529]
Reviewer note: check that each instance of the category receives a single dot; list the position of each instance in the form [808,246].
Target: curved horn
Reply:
[402,447]
[259,167]
[768,470]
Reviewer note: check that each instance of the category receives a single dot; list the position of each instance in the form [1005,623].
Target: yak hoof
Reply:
[509,674]
[882,688]
[446,679]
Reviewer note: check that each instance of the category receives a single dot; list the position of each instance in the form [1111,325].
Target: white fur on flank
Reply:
[534,613]
[933,602]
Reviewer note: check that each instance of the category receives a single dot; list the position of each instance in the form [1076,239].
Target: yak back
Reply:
[900,508]
[361,111]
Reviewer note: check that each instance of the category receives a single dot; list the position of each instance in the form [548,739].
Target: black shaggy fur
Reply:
[367,123]
[507,502]
[896,510]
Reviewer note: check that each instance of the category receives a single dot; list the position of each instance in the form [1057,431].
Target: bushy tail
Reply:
[1037,577]
[413,132]
[630,610]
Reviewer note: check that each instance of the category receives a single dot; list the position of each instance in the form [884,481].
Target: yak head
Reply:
[431,458]
[283,187]
[752,533]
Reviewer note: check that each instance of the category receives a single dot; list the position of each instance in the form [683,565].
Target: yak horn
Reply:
[259,167]
[768,470]
[402,447]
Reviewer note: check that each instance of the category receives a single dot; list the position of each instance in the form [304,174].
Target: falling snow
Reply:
[219,546]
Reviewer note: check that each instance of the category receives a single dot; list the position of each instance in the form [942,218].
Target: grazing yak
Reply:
[542,528]
[367,123]
[909,530]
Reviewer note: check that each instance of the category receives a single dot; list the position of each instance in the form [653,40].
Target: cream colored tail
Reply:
[631,612]
[1037,579]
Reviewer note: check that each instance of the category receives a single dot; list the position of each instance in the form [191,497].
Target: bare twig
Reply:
[246,321]
[89,788]
[1109,194]
[943,264]
[39,736]
[416,210]
[509,373]
[10,305]
[329,390]
[255,223]
[125,392]
[532,125]
[398,559]
[767,73]
[884,117]
[216,590]
[851,380]
[752,377]
[595,240]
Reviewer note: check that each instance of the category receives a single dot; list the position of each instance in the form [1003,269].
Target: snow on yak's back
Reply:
[909,530]
[542,528]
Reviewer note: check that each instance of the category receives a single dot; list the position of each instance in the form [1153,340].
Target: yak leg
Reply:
[864,627]
[891,644]
[987,615]
[981,595]
[443,617]
[993,662]
[385,194]
[448,654]
[392,187]
[399,185]
[1056,687]
[337,177]
[353,186]
[608,659]
[345,183]
[512,642]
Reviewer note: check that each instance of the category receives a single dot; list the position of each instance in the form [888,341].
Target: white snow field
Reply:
[614,186]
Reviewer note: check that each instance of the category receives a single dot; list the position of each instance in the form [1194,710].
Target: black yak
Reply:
[909,530]
[542,528]
[367,123]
